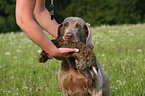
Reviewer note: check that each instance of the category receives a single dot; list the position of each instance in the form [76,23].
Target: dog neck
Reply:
[67,64]
[71,63]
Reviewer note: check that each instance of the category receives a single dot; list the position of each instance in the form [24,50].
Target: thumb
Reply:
[67,50]
[73,50]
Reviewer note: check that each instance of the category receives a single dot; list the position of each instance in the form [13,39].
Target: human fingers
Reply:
[64,53]
[68,50]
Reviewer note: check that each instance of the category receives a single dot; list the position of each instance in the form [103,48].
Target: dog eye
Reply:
[78,26]
[66,24]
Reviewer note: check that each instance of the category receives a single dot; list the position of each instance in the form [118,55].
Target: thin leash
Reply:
[52,10]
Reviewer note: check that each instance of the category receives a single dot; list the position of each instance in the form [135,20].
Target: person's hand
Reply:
[64,53]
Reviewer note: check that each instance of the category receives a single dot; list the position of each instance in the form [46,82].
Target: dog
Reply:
[71,81]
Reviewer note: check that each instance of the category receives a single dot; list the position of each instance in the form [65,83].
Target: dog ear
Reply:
[60,30]
[89,41]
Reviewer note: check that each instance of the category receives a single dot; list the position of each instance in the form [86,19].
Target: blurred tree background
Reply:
[95,12]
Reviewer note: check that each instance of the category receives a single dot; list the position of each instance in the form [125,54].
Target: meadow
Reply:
[120,49]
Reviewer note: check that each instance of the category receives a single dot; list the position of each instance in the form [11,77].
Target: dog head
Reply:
[76,29]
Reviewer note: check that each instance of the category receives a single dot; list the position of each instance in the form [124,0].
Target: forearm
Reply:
[36,34]
[44,20]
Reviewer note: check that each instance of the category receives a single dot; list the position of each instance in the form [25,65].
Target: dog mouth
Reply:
[69,39]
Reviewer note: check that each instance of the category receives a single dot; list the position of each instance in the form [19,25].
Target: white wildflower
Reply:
[103,55]
[111,40]
[97,42]
[20,46]
[12,33]
[29,45]
[139,50]
[7,53]
[4,91]
[39,51]
[18,50]
[15,57]
[26,87]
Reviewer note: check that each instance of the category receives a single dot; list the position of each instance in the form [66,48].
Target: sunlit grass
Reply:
[119,49]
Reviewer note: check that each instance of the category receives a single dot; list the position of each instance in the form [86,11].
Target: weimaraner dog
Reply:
[71,81]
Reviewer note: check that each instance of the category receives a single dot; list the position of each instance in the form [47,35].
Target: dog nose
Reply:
[69,35]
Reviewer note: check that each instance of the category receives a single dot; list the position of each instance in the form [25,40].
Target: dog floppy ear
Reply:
[60,30]
[89,41]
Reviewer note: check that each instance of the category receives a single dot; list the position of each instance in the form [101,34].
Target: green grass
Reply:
[119,49]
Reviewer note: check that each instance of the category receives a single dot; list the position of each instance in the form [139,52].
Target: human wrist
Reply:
[54,52]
